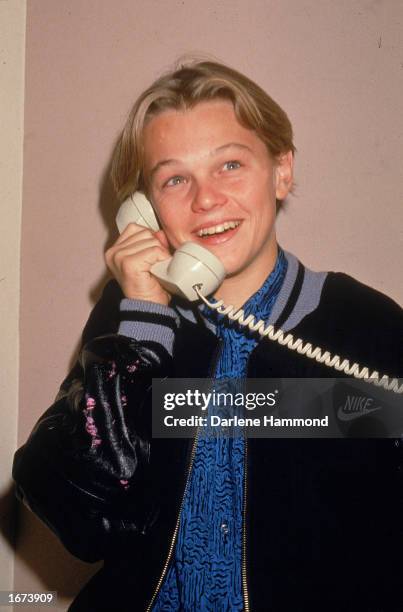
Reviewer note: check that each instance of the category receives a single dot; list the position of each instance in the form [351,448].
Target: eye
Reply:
[173,181]
[232,165]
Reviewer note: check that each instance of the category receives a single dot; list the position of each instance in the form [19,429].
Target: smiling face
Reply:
[212,181]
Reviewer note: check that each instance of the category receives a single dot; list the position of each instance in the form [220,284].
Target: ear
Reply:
[283,173]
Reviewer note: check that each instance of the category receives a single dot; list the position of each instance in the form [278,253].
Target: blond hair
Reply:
[182,89]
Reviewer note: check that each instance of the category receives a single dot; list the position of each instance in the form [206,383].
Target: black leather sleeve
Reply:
[84,468]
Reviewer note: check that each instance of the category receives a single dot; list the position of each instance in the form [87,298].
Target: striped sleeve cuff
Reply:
[147,321]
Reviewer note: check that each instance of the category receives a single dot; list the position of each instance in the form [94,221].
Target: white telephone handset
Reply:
[191,264]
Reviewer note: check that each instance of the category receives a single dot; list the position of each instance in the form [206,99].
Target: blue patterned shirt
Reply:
[205,572]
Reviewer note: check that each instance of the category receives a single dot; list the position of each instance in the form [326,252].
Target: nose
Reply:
[207,195]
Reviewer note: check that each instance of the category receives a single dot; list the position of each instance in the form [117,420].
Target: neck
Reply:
[238,288]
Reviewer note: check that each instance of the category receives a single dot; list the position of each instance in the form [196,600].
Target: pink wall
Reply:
[336,67]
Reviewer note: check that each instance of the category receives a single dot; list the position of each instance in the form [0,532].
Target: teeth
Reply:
[218,229]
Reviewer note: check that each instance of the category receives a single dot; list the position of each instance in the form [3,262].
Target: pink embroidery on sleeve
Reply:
[90,423]
[112,371]
[133,366]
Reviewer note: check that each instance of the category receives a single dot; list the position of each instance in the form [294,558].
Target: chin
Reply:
[233,269]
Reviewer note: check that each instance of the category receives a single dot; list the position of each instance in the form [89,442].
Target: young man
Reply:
[216,523]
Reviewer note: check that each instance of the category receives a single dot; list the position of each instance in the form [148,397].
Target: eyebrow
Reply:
[168,162]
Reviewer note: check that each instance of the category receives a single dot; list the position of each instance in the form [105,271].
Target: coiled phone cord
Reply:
[332,361]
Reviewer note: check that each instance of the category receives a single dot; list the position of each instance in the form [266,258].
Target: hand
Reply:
[130,259]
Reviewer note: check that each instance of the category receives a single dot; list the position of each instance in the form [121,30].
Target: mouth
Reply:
[217,229]
[219,233]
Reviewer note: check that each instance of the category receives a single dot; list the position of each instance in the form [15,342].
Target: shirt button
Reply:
[224,528]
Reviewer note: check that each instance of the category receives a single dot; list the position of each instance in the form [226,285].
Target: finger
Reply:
[153,254]
[140,255]
[133,266]
[137,247]
[138,238]
[132,229]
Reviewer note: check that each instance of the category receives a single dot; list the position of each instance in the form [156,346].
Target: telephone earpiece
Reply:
[190,265]
[137,209]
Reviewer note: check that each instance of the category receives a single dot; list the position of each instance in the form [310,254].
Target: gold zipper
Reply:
[244,578]
[168,559]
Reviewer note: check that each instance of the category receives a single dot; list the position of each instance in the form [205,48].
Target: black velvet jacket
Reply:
[323,518]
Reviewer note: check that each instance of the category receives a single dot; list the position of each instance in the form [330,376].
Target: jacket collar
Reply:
[299,295]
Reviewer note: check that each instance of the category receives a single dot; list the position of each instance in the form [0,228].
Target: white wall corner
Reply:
[12,71]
